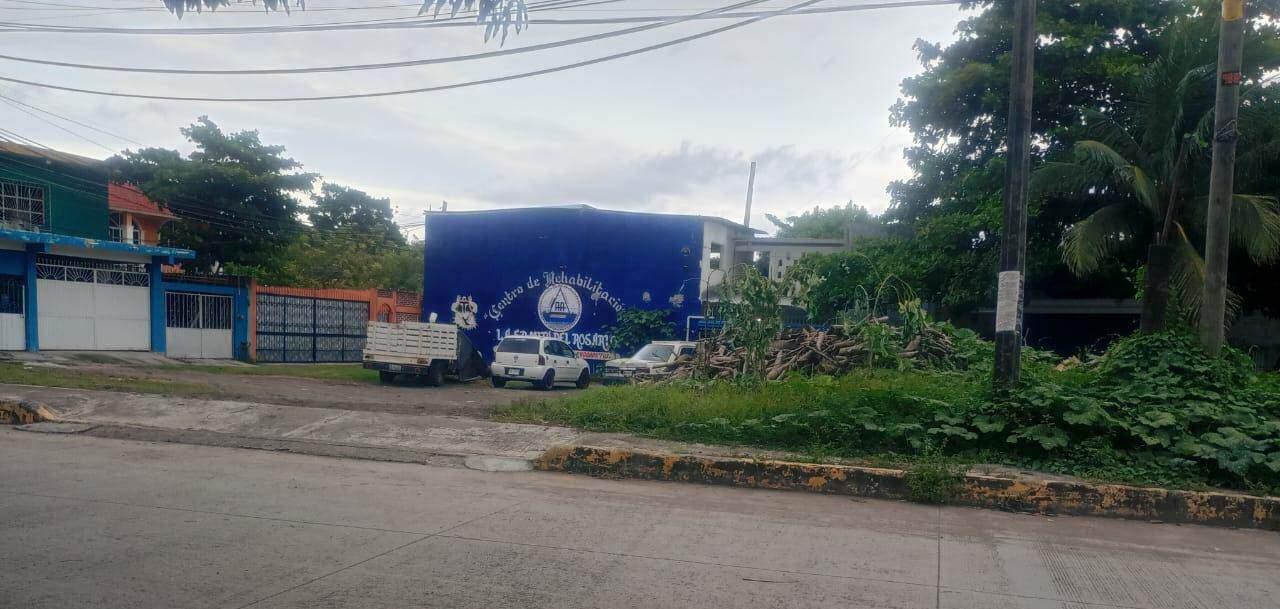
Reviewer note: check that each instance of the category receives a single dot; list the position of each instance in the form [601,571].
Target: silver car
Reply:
[654,358]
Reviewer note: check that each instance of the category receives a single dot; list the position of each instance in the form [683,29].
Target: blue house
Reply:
[71,276]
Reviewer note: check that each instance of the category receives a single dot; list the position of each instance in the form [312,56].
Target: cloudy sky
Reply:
[807,97]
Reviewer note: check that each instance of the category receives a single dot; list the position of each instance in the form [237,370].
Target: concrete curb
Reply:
[24,412]
[1039,496]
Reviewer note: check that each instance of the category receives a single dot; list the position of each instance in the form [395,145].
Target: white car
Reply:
[653,358]
[538,360]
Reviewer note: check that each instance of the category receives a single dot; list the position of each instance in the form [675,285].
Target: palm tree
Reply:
[1147,172]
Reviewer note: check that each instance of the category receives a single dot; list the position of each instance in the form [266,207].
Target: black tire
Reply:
[435,374]
[548,382]
[584,380]
[498,382]
[386,378]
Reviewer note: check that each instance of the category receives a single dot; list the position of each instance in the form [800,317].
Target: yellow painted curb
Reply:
[23,412]
[1041,496]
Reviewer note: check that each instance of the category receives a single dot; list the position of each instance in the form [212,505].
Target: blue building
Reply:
[568,271]
[80,268]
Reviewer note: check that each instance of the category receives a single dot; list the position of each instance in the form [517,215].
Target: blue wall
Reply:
[559,271]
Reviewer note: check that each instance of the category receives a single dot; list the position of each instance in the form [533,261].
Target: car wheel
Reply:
[386,378]
[435,373]
[584,380]
[498,381]
[548,382]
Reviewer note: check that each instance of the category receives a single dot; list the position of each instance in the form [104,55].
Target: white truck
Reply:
[428,351]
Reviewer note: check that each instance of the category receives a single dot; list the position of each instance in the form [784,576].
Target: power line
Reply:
[458,18]
[471,83]
[55,125]
[385,65]
[71,120]
[220,219]
[423,23]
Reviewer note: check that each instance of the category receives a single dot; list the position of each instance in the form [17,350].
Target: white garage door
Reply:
[197,325]
[93,304]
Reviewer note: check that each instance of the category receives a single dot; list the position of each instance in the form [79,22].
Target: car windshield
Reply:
[518,345]
[653,353]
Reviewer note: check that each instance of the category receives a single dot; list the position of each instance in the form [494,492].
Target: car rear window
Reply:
[518,345]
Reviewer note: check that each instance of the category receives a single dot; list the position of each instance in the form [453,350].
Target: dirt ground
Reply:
[476,399]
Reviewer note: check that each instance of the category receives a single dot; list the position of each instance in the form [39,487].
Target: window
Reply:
[21,204]
[654,353]
[135,233]
[115,227]
[717,251]
[688,351]
[518,345]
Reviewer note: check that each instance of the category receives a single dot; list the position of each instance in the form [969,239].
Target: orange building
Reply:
[134,218]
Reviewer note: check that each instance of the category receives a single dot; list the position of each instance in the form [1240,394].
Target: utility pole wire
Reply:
[471,83]
[71,120]
[380,66]
[56,125]
[425,23]
[1213,307]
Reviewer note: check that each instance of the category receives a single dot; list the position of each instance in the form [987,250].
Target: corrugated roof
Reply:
[127,197]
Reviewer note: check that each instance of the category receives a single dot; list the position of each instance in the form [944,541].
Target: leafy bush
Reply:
[1161,401]
[636,328]
[1155,410]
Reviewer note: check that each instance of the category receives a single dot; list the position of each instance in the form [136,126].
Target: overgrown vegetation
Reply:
[1152,410]
[637,327]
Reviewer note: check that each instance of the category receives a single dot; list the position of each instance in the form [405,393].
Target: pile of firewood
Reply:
[802,351]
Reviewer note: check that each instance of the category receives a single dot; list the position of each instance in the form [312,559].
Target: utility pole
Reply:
[1013,243]
[1213,309]
[751,184]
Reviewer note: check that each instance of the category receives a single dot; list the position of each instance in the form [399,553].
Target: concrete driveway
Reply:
[92,522]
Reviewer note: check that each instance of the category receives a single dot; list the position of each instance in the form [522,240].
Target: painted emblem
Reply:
[464,312]
[559,307]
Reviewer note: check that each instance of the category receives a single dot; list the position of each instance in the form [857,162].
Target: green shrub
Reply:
[1155,410]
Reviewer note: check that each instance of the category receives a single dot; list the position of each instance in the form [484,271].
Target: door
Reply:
[565,368]
[93,304]
[304,329]
[198,325]
[13,321]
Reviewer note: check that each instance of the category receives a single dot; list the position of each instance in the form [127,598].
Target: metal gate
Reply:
[198,325]
[301,329]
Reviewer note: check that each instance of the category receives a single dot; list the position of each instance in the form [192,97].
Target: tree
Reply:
[235,197]
[830,223]
[318,260]
[948,212]
[1145,172]
[355,215]
[636,328]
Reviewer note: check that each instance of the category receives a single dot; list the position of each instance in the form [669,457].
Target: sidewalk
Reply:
[491,446]
[439,435]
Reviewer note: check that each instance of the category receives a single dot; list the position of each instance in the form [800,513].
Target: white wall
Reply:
[722,234]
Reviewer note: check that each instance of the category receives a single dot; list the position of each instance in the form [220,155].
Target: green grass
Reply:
[329,372]
[726,412]
[72,378]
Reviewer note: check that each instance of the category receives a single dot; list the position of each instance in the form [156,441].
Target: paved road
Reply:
[92,522]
